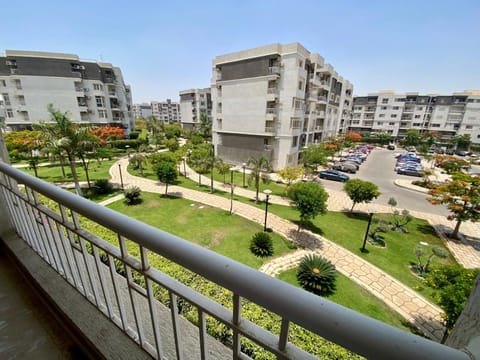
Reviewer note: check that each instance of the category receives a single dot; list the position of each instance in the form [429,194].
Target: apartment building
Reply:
[91,92]
[274,100]
[194,102]
[142,111]
[167,111]
[448,115]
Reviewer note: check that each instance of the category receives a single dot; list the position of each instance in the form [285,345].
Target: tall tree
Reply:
[315,155]
[205,126]
[412,138]
[64,135]
[310,199]
[290,174]
[223,168]
[462,197]
[167,174]
[257,167]
[360,191]
[138,160]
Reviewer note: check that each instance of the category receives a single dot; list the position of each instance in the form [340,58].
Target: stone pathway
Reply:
[405,301]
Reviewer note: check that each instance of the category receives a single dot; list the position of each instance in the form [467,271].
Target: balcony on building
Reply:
[274,70]
[272,91]
[105,292]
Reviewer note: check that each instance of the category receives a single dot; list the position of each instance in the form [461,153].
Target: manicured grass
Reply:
[348,231]
[354,297]
[53,173]
[206,226]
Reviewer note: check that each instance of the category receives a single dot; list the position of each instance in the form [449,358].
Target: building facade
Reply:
[91,92]
[395,114]
[193,103]
[142,111]
[166,111]
[274,100]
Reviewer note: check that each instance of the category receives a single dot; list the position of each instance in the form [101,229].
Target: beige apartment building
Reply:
[274,100]
[91,92]
[395,114]
[193,103]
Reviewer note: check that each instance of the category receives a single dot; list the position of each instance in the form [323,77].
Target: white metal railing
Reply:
[90,264]
[322,98]
[274,70]
[271,110]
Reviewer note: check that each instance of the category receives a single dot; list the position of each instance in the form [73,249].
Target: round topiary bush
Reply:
[317,275]
[261,244]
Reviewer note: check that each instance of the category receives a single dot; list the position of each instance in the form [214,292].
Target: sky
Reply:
[425,46]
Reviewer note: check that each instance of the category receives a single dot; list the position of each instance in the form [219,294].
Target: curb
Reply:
[415,188]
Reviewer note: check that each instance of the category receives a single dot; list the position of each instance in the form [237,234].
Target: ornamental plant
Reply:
[261,245]
[317,275]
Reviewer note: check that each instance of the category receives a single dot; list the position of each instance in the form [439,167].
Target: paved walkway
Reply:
[405,301]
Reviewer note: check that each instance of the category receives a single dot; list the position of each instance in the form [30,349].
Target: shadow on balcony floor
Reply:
[27,330]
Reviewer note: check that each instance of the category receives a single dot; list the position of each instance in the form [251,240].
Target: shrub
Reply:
[261,244]
[317,275]
[102,187]
[132,195]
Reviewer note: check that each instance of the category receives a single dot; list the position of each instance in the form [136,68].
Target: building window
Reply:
[18,84]
[3,83]
[469,127]
[102,114]
[379,122]
[391,123]
[417,116]
[381,115]
[295,141]
[384,108]
[384,101]
[6,99]
[300,63]
[21,100]
[300,85]
[396,107]
[10,113]
[98,87]
[435,125]
[100,101]
[393,115]
[419,107]
[417,124]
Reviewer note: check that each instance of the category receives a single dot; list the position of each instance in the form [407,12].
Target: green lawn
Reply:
[53,173]
[348,231]
[209,227]
[354,297]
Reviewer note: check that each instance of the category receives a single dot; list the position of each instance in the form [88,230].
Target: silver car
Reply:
[345,167]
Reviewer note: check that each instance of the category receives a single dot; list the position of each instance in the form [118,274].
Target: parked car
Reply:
[406,158]
[391,147]
[412,171]
[355,159]
[344,160]
[333,175]
[345,167]
[411,164]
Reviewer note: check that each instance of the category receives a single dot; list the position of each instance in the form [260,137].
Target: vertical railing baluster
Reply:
[236,321]
[202,329]
[130,281]
[283,339]
[151,303]
[103,284]
[176,324]
[116,290]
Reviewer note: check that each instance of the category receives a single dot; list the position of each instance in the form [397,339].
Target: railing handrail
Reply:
[354,331]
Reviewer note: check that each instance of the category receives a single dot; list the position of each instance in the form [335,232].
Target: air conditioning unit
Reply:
[82,67]
[86,89]
[10,63]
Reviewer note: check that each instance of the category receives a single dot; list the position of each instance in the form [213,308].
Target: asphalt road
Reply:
[378,168]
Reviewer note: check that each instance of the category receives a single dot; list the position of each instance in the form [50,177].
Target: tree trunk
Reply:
[166,188]
[74,175]
[351,210]
[457,228]
[85,167]
[257,188]
[466,329]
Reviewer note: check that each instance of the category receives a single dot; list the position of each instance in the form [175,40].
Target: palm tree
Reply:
[137,161]
[63,135]
[205,126]
[257,166]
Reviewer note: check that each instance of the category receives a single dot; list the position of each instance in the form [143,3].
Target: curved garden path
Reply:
[413,307]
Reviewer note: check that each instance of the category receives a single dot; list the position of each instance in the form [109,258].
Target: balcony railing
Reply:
[274,70]
[90,264]
[272,110]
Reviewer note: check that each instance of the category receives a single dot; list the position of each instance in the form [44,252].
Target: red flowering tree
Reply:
[352,137]
[451,164]
[462,197]
[108,133]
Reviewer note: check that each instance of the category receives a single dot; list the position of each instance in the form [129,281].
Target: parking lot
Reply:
[379,169]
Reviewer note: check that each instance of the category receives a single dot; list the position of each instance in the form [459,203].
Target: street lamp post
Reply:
[127,147]
[370,216]
[267,192]
[244,166]
[121,178]
[232,186]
